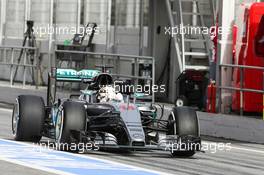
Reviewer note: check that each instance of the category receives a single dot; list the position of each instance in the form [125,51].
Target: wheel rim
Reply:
[179,102]
[15,118]
[59,126]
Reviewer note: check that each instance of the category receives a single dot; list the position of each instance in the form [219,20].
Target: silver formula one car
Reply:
[103,117]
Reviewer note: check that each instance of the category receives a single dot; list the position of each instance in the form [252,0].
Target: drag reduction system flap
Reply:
[76,76]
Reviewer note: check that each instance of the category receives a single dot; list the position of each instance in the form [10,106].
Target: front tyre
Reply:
[71,118]
[28,118]
[183,122]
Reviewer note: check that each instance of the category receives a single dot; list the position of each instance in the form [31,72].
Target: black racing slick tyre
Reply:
[28,118]
[183,121]
[71,119]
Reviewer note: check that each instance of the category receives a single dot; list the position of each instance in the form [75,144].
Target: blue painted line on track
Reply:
[65,162]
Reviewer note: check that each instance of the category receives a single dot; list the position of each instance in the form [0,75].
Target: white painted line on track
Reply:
[36,167]
[86,157]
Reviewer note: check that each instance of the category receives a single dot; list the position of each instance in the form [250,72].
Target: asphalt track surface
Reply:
[239,158]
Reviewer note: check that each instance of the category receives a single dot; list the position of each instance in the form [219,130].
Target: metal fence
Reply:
[104,59]
[241,89]
[15,57]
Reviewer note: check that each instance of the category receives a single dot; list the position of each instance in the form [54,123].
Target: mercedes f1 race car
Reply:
[101,116]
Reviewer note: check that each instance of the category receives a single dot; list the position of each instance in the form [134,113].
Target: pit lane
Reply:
[243,158]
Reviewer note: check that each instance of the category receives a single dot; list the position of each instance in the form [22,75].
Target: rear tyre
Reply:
[183,121]
[28,118]
[70,119]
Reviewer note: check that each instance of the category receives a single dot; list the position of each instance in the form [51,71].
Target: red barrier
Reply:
[250,52]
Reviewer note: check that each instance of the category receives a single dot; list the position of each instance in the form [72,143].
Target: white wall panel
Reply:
[97,11]
[40,14]
[66,16]
[15,18]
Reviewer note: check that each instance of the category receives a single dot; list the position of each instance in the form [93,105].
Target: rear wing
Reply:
[71,75]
